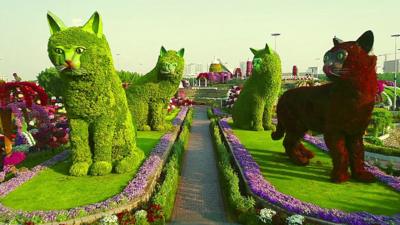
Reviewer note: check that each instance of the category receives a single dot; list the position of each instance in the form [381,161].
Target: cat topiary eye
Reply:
[58,50]
[80,50]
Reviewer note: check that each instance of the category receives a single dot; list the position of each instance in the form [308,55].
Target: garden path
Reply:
[199,200]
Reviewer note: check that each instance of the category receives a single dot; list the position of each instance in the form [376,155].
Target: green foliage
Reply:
[239,204]
[128,77]
[253,109]
[149,95]
[381,119]
[384,150]
[165,194]
[101,125]
[50,80]
[388,76]
[373,140]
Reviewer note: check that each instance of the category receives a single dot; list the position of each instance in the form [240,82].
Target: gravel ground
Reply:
[394,138]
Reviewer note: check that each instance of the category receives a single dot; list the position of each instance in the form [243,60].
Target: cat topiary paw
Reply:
[100,168]
[270,127]
[128,164]
[146,128]
[258,128]
[79,169]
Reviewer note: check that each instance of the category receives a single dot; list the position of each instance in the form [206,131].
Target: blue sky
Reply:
[136,29]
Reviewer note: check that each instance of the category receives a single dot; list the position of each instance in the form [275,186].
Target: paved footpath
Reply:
[199,199]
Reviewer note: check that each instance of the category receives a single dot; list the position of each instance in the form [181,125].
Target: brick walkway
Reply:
[199,199]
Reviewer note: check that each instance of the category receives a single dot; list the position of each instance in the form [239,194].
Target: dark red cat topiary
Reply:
[341,110]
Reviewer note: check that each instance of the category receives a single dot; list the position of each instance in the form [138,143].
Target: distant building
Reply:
[192,69]
[389,66]
[243,66]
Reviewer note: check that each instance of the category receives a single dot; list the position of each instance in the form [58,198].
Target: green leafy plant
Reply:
[102,134]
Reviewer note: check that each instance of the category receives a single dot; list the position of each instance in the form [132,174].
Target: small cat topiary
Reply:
[253,109]
[102,131]
[149,95]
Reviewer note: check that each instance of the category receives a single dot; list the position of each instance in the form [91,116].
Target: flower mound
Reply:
[265,190]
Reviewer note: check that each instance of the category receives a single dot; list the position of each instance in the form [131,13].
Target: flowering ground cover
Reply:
[311,183]
[55,189]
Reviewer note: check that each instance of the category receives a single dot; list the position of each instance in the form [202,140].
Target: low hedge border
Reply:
[136,193]
[240,206]
[166,191]
[383,150]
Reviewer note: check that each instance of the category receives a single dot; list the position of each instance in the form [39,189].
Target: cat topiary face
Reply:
[170,64]
[265,60]
[78,51]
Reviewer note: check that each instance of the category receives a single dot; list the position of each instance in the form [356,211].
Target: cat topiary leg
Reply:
[81,154]
[340,157]
[124,149]
[258,116]
[103,133]
[267,119]
[139,110]
[355,146]
[156,115]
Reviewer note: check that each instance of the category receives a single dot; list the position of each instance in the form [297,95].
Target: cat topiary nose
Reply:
[69,63]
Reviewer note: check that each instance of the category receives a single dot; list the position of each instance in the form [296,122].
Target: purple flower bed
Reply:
[135,188]
[265,190]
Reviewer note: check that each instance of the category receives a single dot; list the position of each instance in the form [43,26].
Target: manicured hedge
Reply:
[254,106]
[165,194]
[102,133]
[240,206]
[149,95]
[381,119]
[384,150]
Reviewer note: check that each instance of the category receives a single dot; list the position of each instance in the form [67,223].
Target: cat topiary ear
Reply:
[94,25]
[267,49]
[163,51]
[253,51]
[181,52]
[366,41]
[336,41]
[55,23]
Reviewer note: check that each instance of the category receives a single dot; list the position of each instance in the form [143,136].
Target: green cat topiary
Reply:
[102,133]
[148,96]
[253,109]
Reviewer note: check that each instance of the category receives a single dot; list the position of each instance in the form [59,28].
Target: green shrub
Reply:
[373,140]
[241,205]
[128,77]
[381,119]
[165,194]
[384,150]
[102,131]
[50,80]
[254,106]
[149,95]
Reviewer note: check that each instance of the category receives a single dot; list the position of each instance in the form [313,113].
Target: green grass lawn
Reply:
[55,189]
[311,183]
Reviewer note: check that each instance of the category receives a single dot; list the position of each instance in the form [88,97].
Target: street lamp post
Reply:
[395,69]
[275,35]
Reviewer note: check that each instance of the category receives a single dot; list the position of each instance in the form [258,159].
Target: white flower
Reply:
[109,220]
[141,214]
[266,215]
[295,220]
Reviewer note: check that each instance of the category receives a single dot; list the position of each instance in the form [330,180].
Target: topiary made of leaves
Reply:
[102,133]
[253,109]
[149,96]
